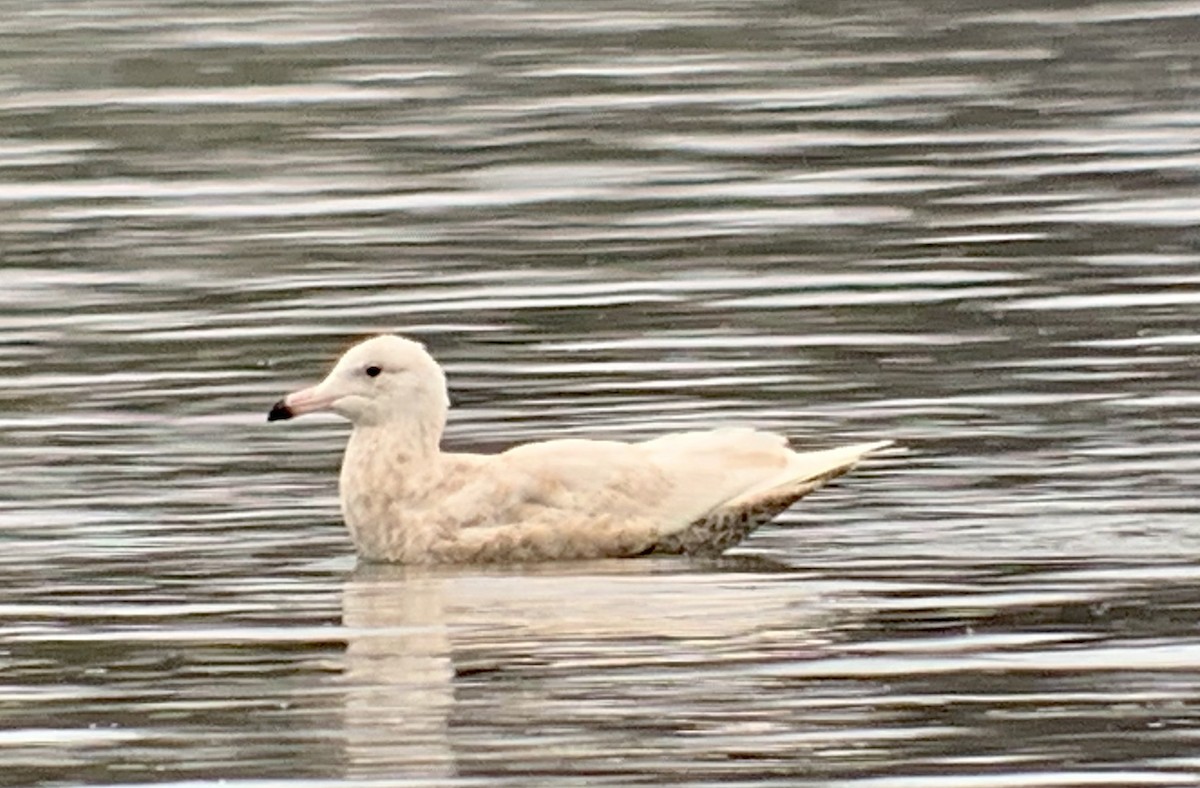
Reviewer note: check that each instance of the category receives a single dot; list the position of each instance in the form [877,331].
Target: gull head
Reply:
[385,379]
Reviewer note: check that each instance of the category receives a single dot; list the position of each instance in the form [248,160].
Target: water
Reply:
[968,227]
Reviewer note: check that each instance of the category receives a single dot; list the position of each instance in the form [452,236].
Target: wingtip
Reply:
[865,449]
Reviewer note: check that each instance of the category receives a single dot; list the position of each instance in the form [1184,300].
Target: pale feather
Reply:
[405,500]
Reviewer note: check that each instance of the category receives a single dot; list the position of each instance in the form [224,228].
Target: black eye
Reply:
[372,371]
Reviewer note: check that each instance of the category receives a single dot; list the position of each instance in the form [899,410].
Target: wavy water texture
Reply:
[965,227]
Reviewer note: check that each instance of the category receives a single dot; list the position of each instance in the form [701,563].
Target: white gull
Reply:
[406,501]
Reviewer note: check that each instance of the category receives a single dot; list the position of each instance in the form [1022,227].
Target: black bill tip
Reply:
[280,411]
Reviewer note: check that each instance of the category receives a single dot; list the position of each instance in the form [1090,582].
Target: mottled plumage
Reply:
[406,501]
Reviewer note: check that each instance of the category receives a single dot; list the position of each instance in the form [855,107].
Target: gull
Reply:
[404,500]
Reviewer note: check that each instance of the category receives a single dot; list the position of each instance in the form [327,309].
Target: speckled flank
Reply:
[606,537]
[724,527]
[435,540]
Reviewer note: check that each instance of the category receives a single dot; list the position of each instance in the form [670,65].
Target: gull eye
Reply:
[372,371]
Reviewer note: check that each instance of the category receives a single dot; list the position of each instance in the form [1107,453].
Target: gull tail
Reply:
[730,523]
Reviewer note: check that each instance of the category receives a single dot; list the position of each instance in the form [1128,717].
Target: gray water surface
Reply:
[969,227]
